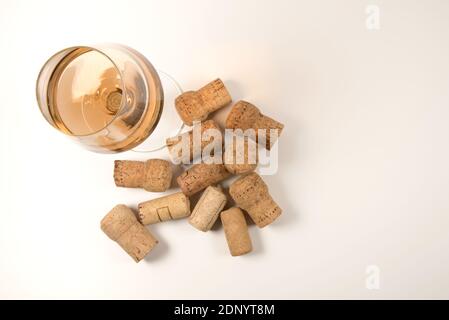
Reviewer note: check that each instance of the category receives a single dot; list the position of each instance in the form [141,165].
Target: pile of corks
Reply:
[249,191]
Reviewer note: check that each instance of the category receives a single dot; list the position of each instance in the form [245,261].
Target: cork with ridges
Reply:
[121,225]
[251,194]
[236,231]
[209,206]
[174,144]
[241,156]
[197,105]
[154,175]
[200,176]
[173,206]
[245,115]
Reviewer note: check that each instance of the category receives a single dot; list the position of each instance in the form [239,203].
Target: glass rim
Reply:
[69,50]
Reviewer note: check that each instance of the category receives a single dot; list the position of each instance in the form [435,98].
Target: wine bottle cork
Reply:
[236,231]
[244,115]
[196,105]
[241,156]
[251,194]
[121,225]
[200,176]
[154,175]
[209,206]
[173,206]
[179,155]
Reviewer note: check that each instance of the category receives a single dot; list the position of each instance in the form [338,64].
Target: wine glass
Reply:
[109,98]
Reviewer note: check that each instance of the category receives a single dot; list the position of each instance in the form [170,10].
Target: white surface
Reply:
[364,175]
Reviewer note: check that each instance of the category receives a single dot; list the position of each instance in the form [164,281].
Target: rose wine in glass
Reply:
[109,98]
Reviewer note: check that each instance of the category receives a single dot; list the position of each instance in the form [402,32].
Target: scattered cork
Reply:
[207,139]
[241,155]
[236,231]
[251,194]
[154,175]
[173,206]
[200,176]
[208,208]
[196,105]
[121,225]
[244,115]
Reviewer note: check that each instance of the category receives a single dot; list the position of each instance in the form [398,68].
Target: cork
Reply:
[236,231]
[251,194]
[196,105]
[173,206]
[154,175]
[244,115]
[200,176]
[208,208]
[121,225]
[174,144]
[241,156]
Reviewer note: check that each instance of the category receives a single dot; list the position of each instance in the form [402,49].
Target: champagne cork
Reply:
[200,176]
[196,105]
[174,144]
[121,225]
[251,194]
[236,231]
[153,175]
[173,206]
[208,208]
[244,115]
[241,157]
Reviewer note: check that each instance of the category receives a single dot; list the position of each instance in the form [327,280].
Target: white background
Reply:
[363,177]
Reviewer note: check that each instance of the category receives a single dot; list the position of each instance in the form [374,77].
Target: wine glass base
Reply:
[170,124]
